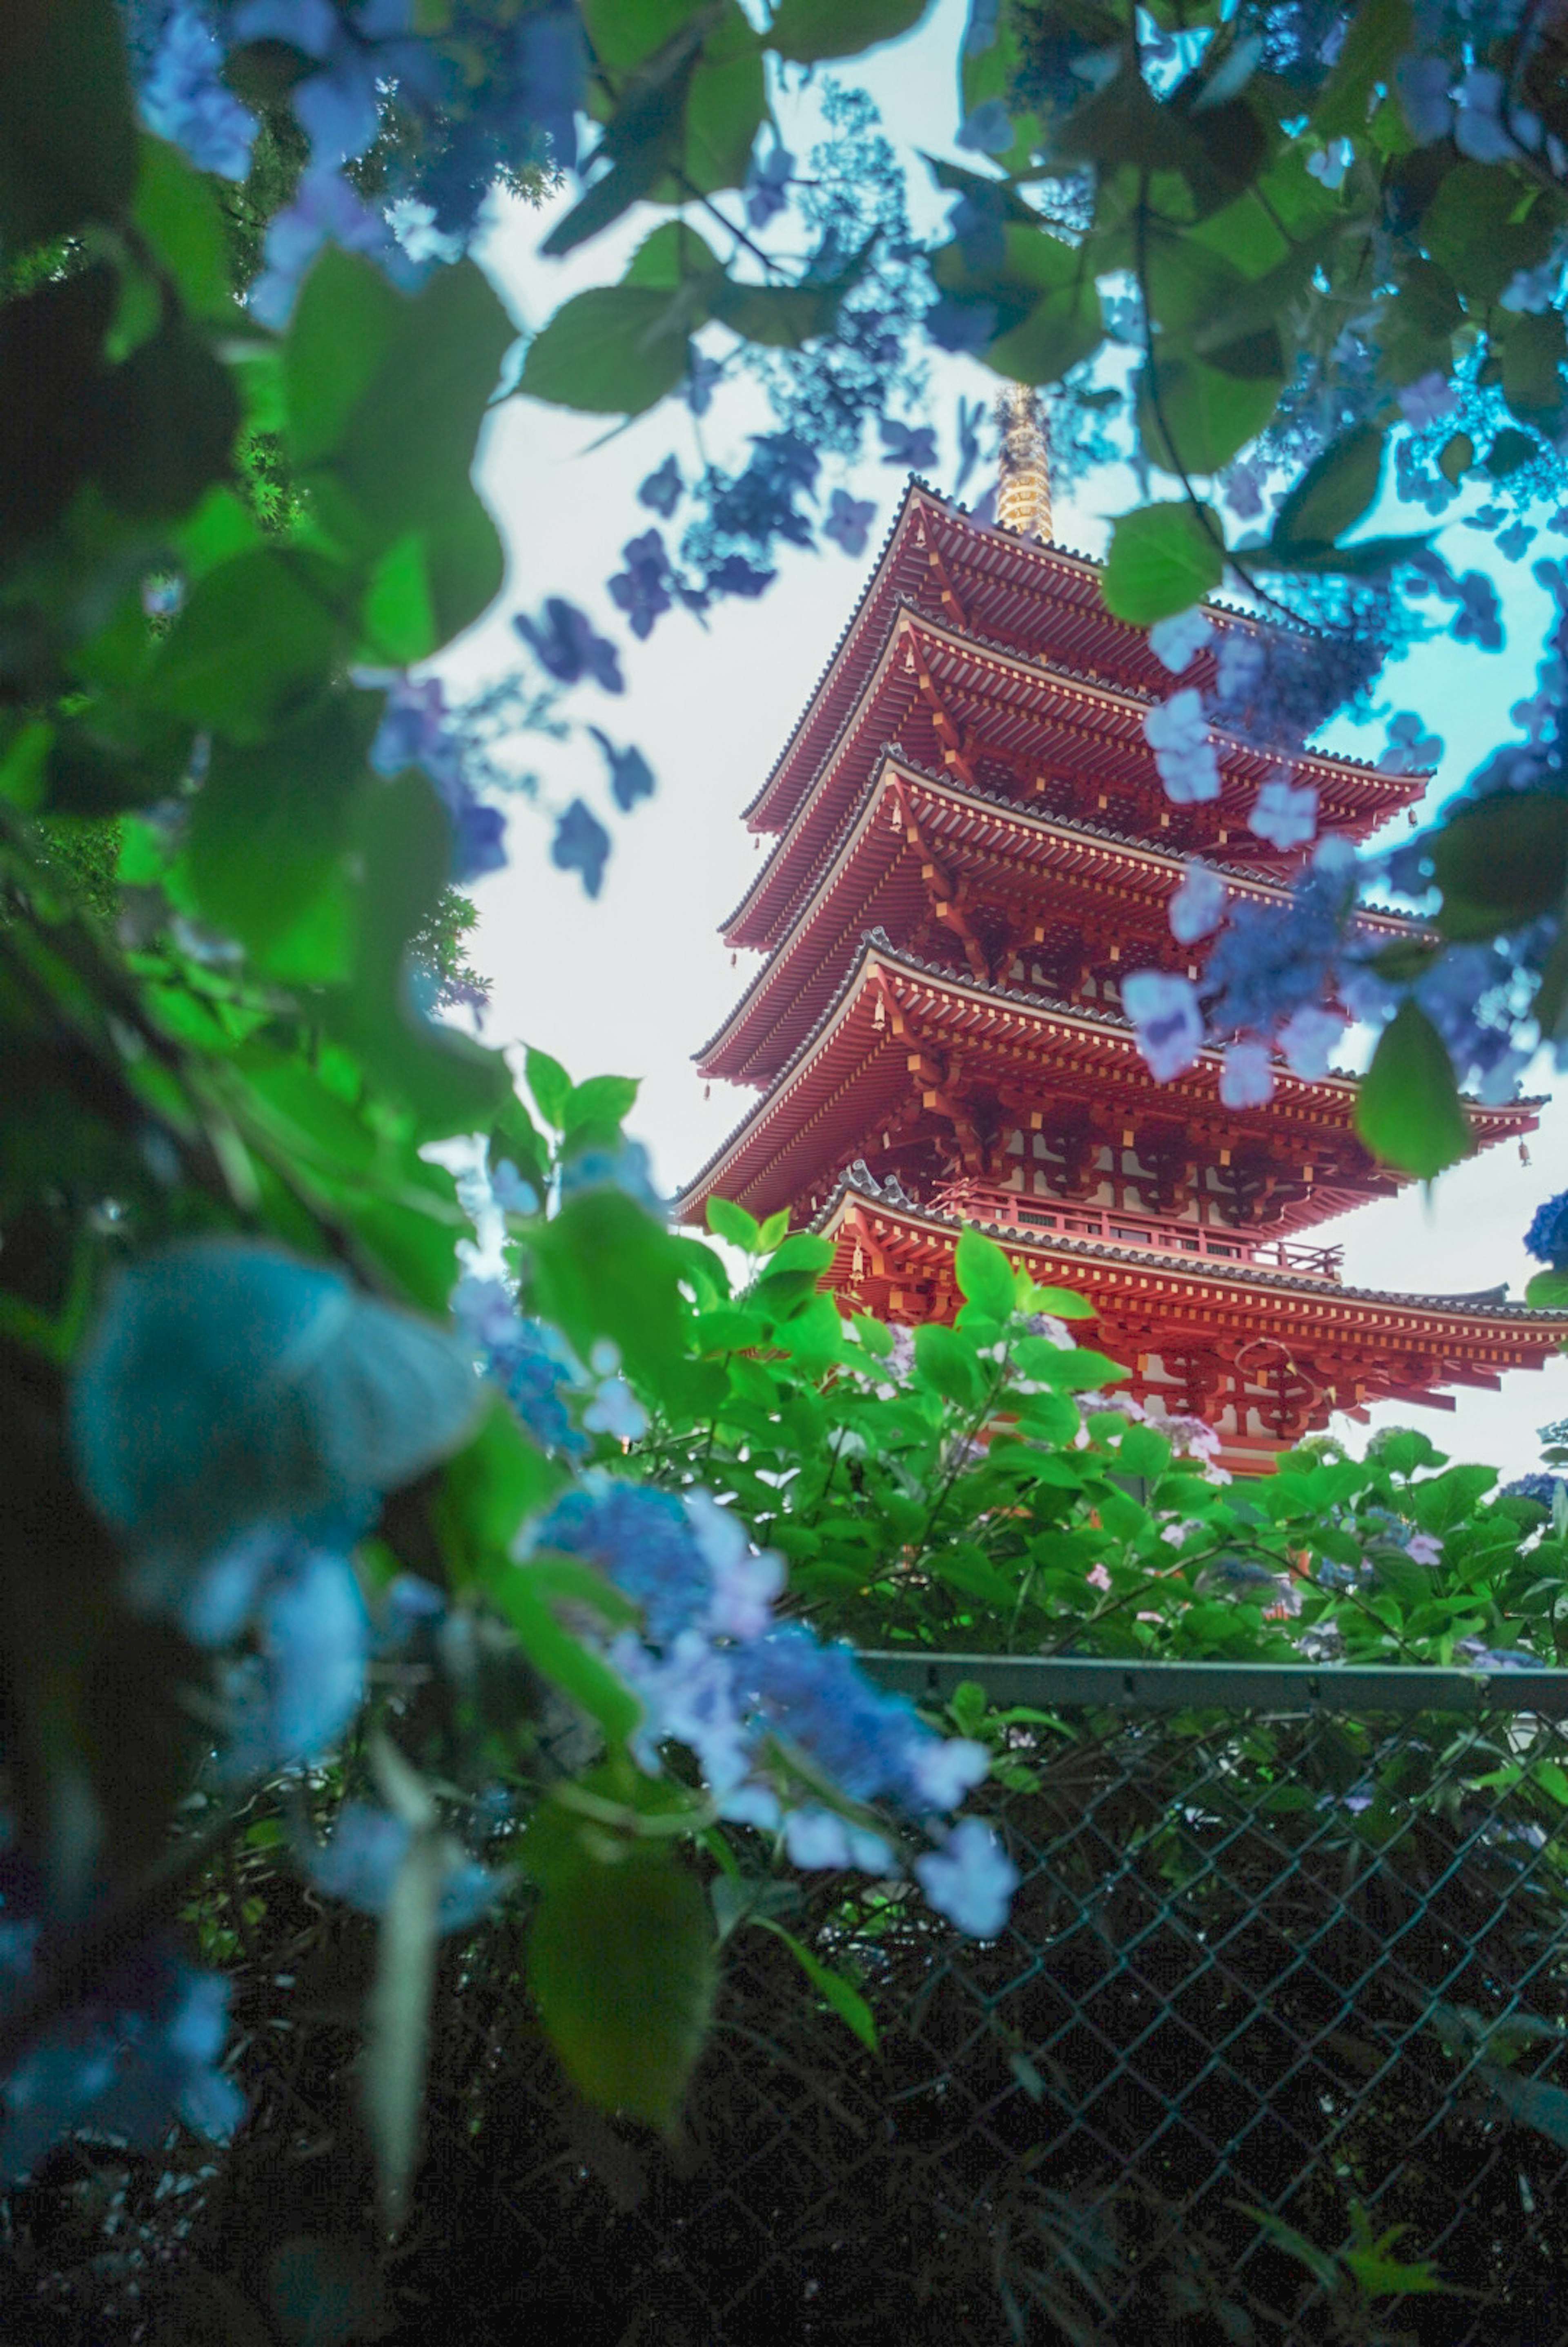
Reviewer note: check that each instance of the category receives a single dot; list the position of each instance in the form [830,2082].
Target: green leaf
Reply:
[398,612]
[1379,31]
[1335,491]
[774,1231]
[809,30]
[270,832]
[344,324]
[620,1961]
[601,1105]
[780,317]
[965,1567]
[1500,862]
[945,1361]
[1534,346]
[1547,1291]
[255,645]
[179,212]
[1061,1303]
[550,1085]
[1163,560]
[729,1221]
[1509,452]
[1063,326]
[397,2016]
[670,256]
[830,1985]
[1407,1111]
[491,1487]
[616,350]
[68,134]
[1204,415]
[1476,230]
[985,1275]
[648,130]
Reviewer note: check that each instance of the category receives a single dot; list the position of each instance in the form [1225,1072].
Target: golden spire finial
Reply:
[1023,490]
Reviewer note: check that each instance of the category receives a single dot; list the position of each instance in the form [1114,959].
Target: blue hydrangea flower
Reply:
[231,1391]
[359,50]
[642,591]
[528,1361]
[979,223]
[1166,1017]
[643,1540]
[325,210]
[627,1168]
[987,129]
[735,575]
[566,647]
[662,490]
[768,185]
[971,1879]
[138,2054]
[873,1746]
[581,844]
[290,1703]
[360,1863]
[906,444]
[1547,1237]
[184,98]
[631,776]
[848,520]
[702,375]
[962,326]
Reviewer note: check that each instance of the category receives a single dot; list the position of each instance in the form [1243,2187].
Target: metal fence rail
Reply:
[1290,1945]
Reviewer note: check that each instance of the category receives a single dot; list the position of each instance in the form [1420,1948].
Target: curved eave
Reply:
[1034,713]
[1019,592]
[1296,1308]
[875,881]
[788,1141]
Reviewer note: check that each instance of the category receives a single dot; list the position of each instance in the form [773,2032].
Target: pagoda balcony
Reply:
[1014,1210]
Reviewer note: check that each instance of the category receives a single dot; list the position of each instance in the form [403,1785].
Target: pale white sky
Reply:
[634,982]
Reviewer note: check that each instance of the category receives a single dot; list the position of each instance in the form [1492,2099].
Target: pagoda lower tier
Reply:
[933,1077]
[1265,1349]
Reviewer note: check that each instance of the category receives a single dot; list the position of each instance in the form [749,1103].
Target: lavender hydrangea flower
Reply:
[1175,643]
[1164,1013]
[325,210]
[566,647]
[971,1879]
[1427,401]
[1246,1078]
[1177,732]
[1284,815]
[184,100]
[848,520]
[1199,904]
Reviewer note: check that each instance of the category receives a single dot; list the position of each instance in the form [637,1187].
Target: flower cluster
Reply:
[775,1718]
[1547,1237]
[416,729]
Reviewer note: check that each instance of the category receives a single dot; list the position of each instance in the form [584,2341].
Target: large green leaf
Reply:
[67,136]
[1407,1111]
[1193,418]
[1378,34]
[255,645]
[179,212]
[809,30]
[269,831]
[985,1275]
[1163,558]
[616,350]
[1337,488]
[1063,326]
[620,1962]
[1535,347]
[1476,228]
[1501,862]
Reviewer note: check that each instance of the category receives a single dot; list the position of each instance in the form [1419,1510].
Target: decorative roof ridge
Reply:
[1137,692]
[849,1186]
[876,940]
[911,484]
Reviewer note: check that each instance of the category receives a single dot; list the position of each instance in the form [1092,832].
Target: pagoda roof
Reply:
[1398,1344]
[875,880]
[1089,731]
[1040,600]
[853,1071]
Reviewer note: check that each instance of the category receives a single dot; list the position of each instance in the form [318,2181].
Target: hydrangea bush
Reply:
[301,1505]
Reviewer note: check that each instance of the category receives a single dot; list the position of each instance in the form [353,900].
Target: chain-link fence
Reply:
[1275,2036]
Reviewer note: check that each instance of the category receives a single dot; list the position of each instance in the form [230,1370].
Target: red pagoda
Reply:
[972,847]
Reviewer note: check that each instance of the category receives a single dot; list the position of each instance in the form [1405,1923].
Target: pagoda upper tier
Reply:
[993,658]
[933,1076]
[982,885]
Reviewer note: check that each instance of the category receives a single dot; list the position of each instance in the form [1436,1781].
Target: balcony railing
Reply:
[1015,1210]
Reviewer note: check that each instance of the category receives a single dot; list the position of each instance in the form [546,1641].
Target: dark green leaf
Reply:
[670,256]
[1501,862]
[1379,31]
[174,415]
[67,136]
[1193,418]
[344,325]
[179,212]
[831,1986]
[620,1961]
[1163,560]
[1534,350]
[1063,326]
[1335,491]
[1470,231]
[1408,1111]
[614,351]
[491,1487]
[270,830]
[810,30]
[254,647]
[647,131]
[782,317]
